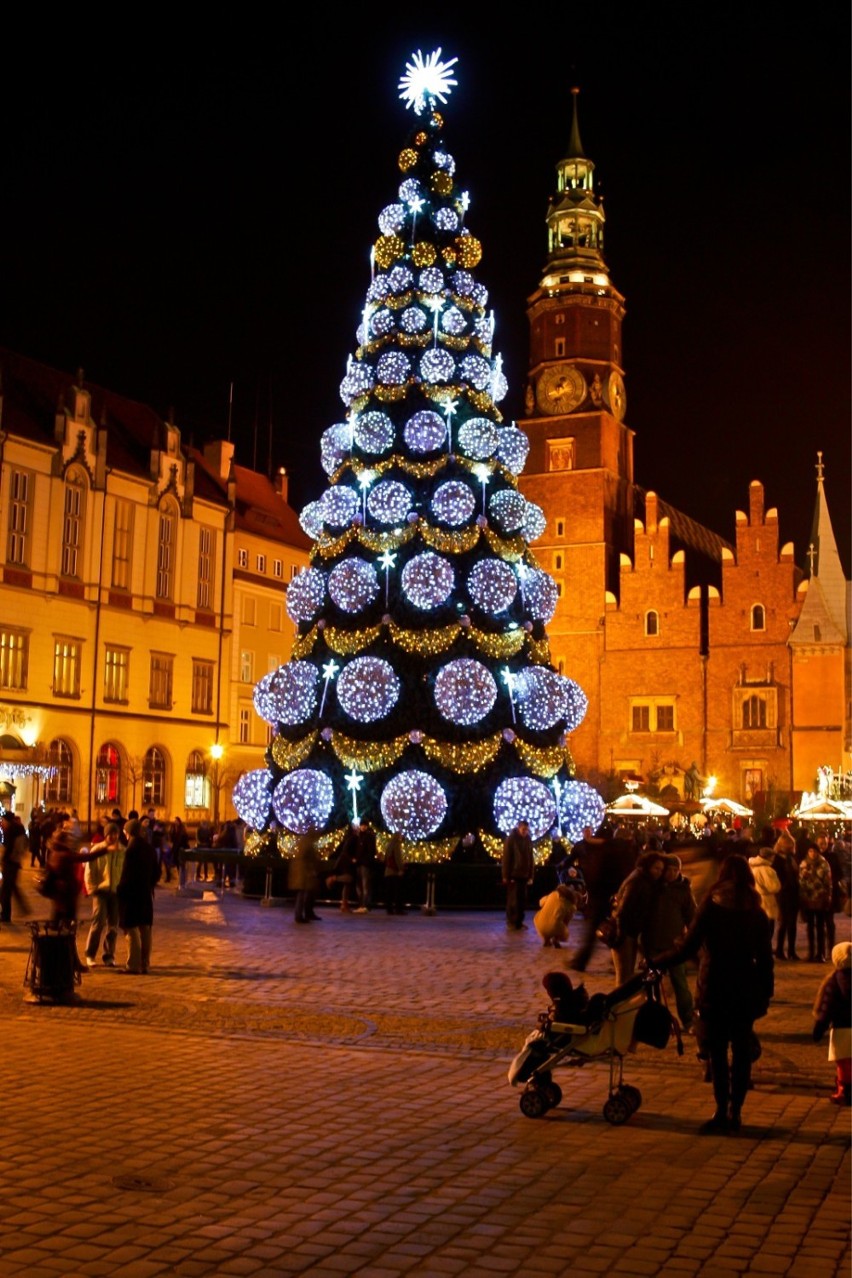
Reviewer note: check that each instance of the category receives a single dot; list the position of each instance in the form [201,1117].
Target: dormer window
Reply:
[758,617]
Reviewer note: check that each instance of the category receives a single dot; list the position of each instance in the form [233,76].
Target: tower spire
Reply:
[825,608]
[575,145]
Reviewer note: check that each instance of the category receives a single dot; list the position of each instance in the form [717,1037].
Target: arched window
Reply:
[166,551]
[758,617]
[652,623]
[108,775]
[59,785]
[197,787]
[754,712]
[154,778]
[72,522]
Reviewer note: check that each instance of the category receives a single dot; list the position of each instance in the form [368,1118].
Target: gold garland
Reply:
[544,761]
[461,758]
[287,755]
[368,756]
[428,642]
[347,642]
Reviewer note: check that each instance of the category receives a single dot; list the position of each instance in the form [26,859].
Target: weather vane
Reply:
[426,78]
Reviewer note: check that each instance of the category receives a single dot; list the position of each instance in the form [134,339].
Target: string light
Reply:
[367,689]
[305,595]
[287,695]
[352,584]
[465,691]
[427,580]
[425,431]
[252,799]
[413,804]
[477,438]
[303,800]
[524,799]
[492,585]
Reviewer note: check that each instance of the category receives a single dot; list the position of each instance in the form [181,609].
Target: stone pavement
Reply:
[332,1100]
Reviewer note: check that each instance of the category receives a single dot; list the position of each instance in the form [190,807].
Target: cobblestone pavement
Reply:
[332,1099]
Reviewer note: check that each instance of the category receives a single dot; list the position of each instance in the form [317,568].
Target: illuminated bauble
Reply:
[388,248]
[311,519]
[389,502]
[427,580]
[465,691]
[287,695]
[400,279]
[492,585]
[453,503]
[407,159]
[392,219]
[499,385]
[379,288]
[423,253]
[252,798]
[579,806]
[382,322]
[410,190]
[358,381]
[413,804]
[478,371]
[540,594]
[446,219]
[444,160]
[305,595]
[335,445]
[441,183]
[352,584]
[524,799]
[483,329]
[479,293]
[541,697]
[431,280]
[512,448]
[508,508]
[413,319]
[373,432]
[464,283]
[453,321]
[477,438]
[367,689]
[339,505]
[437,366]
[425,431]
[535,522]
[392,368]
[577,705]
[303,800]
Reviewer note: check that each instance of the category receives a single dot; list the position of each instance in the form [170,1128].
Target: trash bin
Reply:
[53,969]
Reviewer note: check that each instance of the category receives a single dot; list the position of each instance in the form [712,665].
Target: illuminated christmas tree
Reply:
[419,693]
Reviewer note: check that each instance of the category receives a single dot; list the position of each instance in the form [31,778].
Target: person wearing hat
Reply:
[833,1012]
[518,868]
[767,883]
[673,910]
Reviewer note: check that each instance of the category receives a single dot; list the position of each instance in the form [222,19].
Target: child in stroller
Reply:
[577,1028]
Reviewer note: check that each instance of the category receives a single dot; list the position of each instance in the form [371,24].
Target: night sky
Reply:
[184,211]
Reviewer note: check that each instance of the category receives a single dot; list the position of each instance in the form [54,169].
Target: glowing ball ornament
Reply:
[311,519]
[425,431]
[252,798]
[373,432]
[305,595]
[492,585]
[464,283]
[478,438]
[507,508]
[524,799]
[367,689]
[512,449]
[453,503]
[353,584]
[358,381]
[287,695]
[410,190]
[577,703]
[393,368]
[540,594]
[428,580]
[382,323]
[499,383]
[437,366]
[389,502]
[446,219]
[465,691]
[335,444]
[400,279]
[535,522]
[303,800]
[392,219]
[579,806]
[541,697]
[339,505]
[413,804]
[413,320]
[431,280]
[476,370]
[453,321]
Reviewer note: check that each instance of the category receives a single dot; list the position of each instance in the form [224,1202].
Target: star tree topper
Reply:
[426,78]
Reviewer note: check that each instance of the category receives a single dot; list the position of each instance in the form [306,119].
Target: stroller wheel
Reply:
[617,1110]
[632,1095]
[552,1094]
[533,1103]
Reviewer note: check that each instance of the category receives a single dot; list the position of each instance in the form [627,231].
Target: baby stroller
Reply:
[577,1029]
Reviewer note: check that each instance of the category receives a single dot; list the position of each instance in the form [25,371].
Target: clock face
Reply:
[616,396]
[560,389]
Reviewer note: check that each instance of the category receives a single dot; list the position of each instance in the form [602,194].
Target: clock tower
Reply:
[580,465]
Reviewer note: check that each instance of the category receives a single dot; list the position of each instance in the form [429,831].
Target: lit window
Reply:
[154,778]
[202,687]
[166,552]
[245,725]
[758,617]
[122,545]
[108,776]
[17,549]
[14,657]
[116,671]
[652,623]
[754,711]
[72,523]
[242,559]
[246,666]
[641,719]
[160,683]
[261,563]
[206,543]
[196,786]
[66,667]
[277,568]
[58,786]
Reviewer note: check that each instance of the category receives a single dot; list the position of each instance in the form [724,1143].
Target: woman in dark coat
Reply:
[636,902]
[735,982]
[136,897]
[786,867]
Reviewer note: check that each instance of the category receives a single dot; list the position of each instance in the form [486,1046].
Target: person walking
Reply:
[139,876]
[672,912]
[833,1011]
[101,878]
[35,835]
[62,871]
[365,863]
[605,863]
[343,868]
[304,877]
[393,876]
[203,842]
[736,981]
[635,903]
[767,883]
[178,841]
[15,845]
[518,867]
[786,866]
[815,900]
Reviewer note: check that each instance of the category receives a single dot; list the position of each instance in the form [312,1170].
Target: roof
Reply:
[687,534]
[259,506]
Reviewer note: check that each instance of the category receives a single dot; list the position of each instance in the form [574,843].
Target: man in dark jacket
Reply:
[365,864]
[672,912]
[139,876]
[518,867]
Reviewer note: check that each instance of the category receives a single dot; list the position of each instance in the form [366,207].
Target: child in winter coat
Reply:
[833,1011]
[557,910]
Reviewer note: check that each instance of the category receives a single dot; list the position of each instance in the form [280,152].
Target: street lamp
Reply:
[216,752]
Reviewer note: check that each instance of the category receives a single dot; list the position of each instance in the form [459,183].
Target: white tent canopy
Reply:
[636,805]
[816,807]
[728,806]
